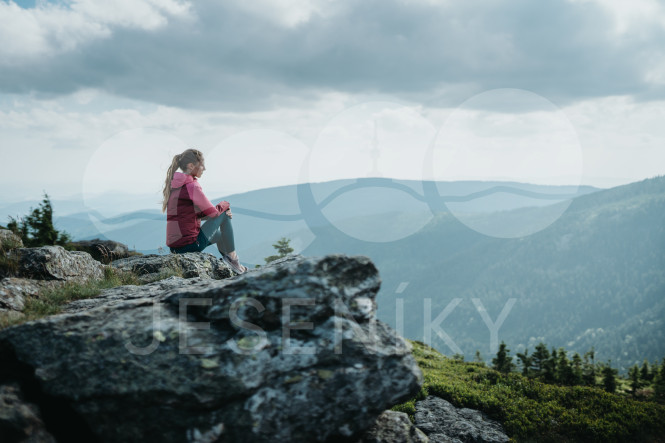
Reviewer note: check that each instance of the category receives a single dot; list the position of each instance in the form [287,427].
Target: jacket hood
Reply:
[180,179]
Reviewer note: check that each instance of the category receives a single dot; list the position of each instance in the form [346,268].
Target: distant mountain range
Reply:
[593,278]
[584,267]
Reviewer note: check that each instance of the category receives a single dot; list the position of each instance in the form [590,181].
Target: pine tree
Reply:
[645,372]
[634,375]
[577,370]
[589,372]
[564,372]
[550,368]
[479,358]
[503,362]
[37,229]
[609,378]
[539,359]
[659,384]
[283,249]
[526,362]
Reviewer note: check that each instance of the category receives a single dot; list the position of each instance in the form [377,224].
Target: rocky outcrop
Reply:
[26,271]
[443,422]
[290,352]
[104,251]
[56,263]
[189,265]
[48,267]
[394,427]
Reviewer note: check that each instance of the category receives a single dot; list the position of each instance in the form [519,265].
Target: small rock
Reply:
[443,422]
[104,251]
[394,427]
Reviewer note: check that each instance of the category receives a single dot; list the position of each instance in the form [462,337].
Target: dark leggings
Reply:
[216,230]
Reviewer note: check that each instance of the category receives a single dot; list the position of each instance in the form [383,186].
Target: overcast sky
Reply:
[97,95]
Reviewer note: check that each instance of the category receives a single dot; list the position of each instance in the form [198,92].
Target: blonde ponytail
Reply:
[179,161]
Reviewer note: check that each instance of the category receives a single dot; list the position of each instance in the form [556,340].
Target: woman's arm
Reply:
[203,206]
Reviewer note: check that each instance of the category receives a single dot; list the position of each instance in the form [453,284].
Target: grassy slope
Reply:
[534,411]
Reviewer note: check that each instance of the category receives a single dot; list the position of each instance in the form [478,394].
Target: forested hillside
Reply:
[595,277]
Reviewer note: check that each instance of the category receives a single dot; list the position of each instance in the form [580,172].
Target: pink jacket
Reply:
[185,208]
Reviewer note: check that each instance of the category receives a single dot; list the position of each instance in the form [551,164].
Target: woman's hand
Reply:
[228,212]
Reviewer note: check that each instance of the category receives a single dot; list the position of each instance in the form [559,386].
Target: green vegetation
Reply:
[8,262]
[283,249]
[36,229]
[531,410]
[556,368]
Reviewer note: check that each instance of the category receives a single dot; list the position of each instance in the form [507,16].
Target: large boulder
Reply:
[56,263]
[443,422]
[289,352]
[191,264]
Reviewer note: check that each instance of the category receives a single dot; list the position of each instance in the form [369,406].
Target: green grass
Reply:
[534,411]
[8,263]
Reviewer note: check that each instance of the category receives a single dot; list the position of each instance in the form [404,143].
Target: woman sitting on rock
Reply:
[185,204]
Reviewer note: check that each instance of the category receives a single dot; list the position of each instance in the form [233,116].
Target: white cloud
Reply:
[634,16]
[48,29]
[289,13]
[622,139]
[260,54]
[61,136]
[142,14]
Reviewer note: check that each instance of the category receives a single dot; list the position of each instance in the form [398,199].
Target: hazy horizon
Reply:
[6,199]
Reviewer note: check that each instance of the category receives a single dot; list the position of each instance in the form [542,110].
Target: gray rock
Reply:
[9,240]
[104,251]
[443,422]
[394,427]
[20,421]
[209,360]
[56,263]
[192,264]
